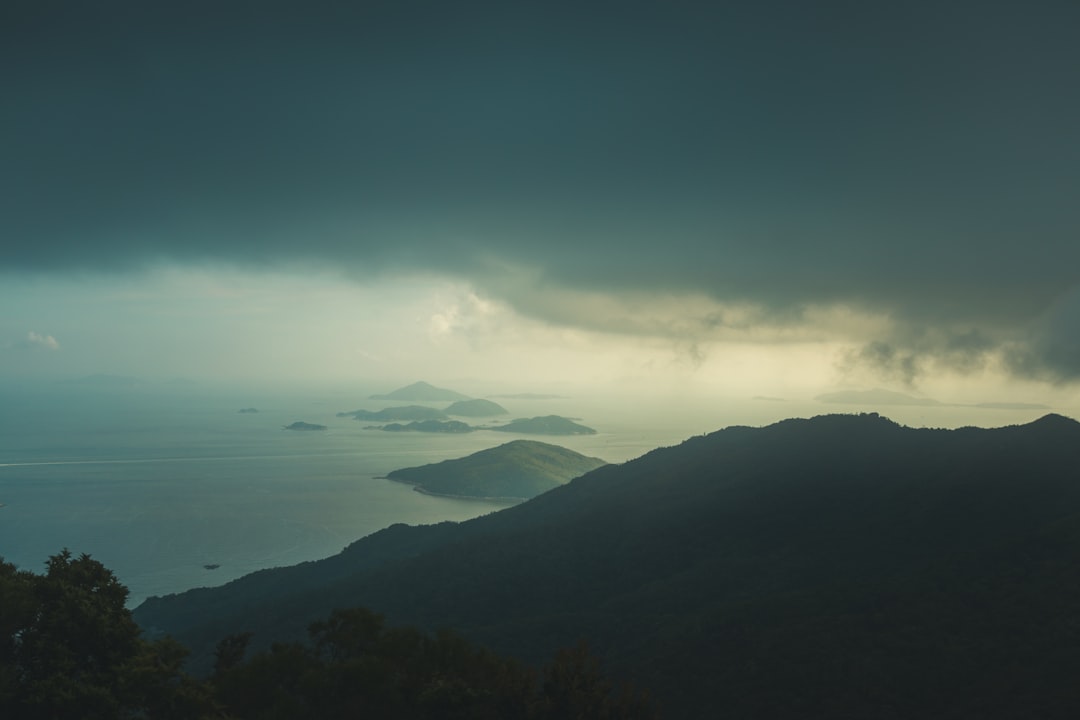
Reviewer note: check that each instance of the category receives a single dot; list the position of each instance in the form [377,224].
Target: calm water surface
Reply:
[158,486]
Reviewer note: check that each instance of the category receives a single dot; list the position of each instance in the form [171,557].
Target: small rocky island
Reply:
[517,470]
[304,426]
[247,411]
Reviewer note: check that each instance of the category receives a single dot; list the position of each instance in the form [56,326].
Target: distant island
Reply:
[406,412]
[304,426]
[546,425]
[889,397]
[422,392]
[247,410]
[429,426]
[517,470]
[476,408]
[875,397]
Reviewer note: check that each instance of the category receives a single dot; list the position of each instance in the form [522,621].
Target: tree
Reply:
[70,649]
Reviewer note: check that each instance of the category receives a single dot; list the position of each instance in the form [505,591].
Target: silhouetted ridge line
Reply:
[822,567]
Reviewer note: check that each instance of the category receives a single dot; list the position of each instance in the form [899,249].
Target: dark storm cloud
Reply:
[914,352]
[914,159]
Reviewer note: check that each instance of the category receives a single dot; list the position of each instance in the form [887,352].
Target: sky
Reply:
[742,198]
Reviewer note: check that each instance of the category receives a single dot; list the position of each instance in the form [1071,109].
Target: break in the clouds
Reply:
[899,176]
[36,341]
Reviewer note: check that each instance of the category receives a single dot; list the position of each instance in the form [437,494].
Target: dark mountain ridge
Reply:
[837,566]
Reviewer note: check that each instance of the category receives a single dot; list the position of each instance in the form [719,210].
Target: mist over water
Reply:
[160,484]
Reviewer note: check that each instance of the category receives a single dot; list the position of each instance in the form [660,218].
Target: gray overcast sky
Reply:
[898,180]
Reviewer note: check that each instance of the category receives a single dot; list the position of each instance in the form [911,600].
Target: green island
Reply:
[517,470]
[545,425]
[476,408]
[303,426]
[404,412]
[422,392]
[428,426]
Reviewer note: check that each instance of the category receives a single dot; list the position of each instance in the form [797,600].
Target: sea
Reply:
[175,488]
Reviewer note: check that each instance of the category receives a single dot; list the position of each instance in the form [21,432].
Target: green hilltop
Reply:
[546,425]
[475,408]
[520,469]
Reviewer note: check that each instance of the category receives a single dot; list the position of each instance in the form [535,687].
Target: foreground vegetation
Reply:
[70,649]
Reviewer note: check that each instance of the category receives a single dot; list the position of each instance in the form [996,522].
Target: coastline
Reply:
[484,498]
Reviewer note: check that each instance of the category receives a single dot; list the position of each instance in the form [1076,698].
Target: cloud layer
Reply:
[904,176]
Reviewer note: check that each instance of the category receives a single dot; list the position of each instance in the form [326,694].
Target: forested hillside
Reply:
[838,566]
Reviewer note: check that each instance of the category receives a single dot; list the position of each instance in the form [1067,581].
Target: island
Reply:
[517,470]
[407,412]
[304,426]
[546,425]
[876,397]
[476,408]
[429,426]
[422,392]
[247,411]
[211,566]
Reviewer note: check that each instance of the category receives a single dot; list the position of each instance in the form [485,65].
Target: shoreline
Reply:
[484,498]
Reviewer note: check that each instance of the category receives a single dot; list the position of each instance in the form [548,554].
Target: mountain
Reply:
[475,408]
[546,425]
[430,426]
[841,566]
[422,392]
[407,412]
[520,469]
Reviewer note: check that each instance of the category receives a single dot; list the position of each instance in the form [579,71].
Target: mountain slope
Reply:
[842,566]
[519,469]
